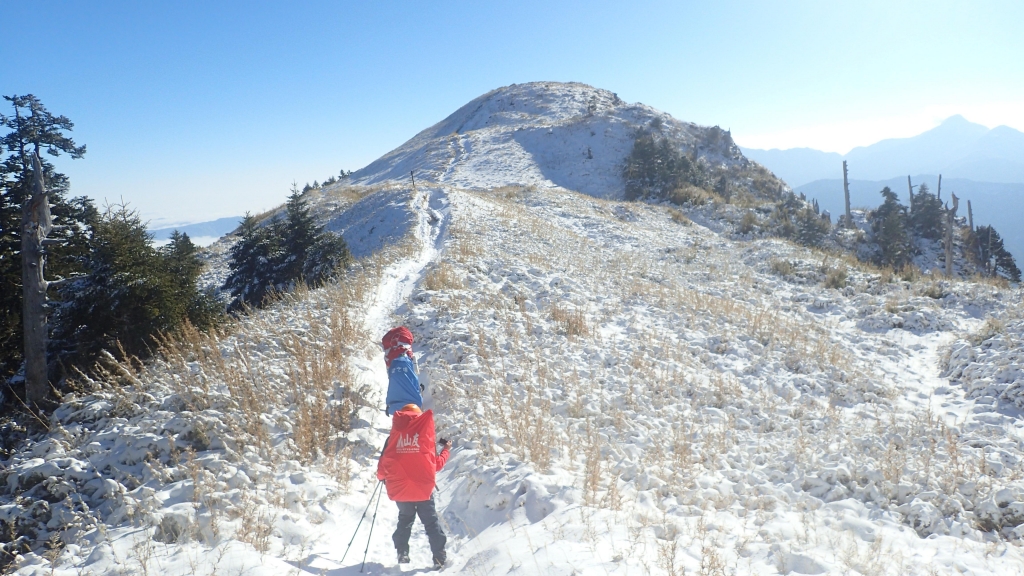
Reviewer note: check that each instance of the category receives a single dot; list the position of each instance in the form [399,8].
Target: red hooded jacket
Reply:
[410,460]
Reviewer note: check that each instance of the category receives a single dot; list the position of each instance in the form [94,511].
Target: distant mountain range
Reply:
[202,233]
[985,166]
[956,148]
[996,204]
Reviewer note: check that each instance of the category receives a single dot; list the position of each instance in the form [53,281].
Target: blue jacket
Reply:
[403,385]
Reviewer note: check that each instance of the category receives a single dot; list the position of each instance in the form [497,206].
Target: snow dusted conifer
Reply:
[282,253]
[928,218]
[810,227]
[32,131]
[131,293]
[994,256]
[252,264]
[889,225]
[328,254]
[299,235]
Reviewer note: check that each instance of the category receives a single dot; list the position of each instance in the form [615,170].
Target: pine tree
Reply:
[993,254]
[32,131]
[132,292]
[183,266]
[810,227]
[278,255]
[928,219]
[889,226]
[655,168]
[253,264]
[299,235]
[328,255]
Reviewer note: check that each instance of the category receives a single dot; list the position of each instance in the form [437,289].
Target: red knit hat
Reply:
[396,342]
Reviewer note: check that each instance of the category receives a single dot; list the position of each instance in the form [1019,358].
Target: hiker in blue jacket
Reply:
[403,383]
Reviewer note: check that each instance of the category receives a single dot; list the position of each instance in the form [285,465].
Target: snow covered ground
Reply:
[629,393]
[545,134]
[632,389]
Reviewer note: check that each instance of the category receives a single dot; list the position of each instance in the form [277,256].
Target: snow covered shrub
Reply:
[990,362]
[835,277]
[782,267]
[690,194]
[935,290]
[748,222]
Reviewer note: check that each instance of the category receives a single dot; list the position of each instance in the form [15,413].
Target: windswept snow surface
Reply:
[629,392]
[544,134]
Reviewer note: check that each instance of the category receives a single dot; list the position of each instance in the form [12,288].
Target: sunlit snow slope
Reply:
[632,389]
[544,134]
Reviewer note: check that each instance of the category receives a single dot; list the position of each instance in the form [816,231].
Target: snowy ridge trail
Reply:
[398,282]
[399,279]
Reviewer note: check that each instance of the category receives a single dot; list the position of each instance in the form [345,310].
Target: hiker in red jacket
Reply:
[408,467]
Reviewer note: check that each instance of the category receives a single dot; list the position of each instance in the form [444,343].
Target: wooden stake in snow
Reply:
[846,191]
[950,220]
[938,192]
[36,224]
[412,174]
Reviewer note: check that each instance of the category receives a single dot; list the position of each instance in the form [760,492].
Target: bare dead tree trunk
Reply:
[989,252]
[846,191]
[970,215]
[910,192]
[950,220]
[938,192]
[36,224]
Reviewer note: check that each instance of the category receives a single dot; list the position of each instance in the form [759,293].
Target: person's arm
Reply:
[442,458]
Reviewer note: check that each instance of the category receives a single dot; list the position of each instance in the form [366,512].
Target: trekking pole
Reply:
[379,483]
[371,533]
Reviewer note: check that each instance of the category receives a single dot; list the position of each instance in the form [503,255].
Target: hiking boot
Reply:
[439,562]
[403,557]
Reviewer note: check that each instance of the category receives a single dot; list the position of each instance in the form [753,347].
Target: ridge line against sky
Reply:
[193,111]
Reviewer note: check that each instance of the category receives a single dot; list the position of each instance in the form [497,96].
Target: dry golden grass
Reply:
[748,222]
[835,277]
[690,194]
[442,277]
[679,217]
[782,267]
[571,321]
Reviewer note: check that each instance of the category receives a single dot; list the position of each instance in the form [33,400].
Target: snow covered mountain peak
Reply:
[545,134]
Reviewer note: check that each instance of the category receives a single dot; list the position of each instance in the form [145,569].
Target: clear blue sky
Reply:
[198,110]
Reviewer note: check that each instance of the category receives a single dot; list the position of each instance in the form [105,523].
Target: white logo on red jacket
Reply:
[408,444]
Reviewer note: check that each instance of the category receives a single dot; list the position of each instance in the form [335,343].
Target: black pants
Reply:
[407,512]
